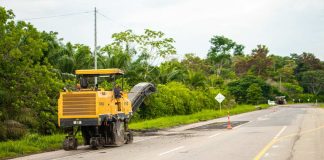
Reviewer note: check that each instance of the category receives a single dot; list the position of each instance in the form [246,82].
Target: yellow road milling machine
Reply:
[101,115]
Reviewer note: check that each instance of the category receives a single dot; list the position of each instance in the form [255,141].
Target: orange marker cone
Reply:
[228,121]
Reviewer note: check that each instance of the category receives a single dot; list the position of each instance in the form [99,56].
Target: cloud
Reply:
[285,26]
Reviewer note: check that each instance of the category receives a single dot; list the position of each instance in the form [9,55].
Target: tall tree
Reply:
[306,62]
[259,62]
[241,64]
[27,84]
[82,57]
[114,56]
[171,71]
[313,81]
[220,52]
[195,63]
[152,46]
[286,73]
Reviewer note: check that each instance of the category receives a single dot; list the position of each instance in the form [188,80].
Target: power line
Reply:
[55,16]
[72,14]
[111,19]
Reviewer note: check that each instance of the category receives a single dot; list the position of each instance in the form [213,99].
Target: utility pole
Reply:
[280,82]
[95,42]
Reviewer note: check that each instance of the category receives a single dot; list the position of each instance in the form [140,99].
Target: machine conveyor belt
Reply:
[138,93]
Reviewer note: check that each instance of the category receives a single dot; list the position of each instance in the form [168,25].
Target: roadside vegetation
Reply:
[172,121]
[32,143]
[321,105]
[36,65]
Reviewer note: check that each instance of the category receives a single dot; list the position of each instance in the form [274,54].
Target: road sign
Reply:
[220,98]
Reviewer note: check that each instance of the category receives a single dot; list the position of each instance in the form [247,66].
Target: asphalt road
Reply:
[279,133]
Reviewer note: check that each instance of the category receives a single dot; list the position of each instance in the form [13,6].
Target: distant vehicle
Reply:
[271,103]
[101,115]
[281,100]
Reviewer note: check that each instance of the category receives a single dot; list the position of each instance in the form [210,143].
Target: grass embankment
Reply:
[32,143]
[321,105]
[171,121]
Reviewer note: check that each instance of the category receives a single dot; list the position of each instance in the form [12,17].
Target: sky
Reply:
[285,26]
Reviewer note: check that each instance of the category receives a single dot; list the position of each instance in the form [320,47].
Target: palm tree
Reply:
[113,56]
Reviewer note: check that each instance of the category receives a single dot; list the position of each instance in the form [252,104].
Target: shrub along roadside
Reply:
[175,98]
[321,105]
[171,121]
[32,143]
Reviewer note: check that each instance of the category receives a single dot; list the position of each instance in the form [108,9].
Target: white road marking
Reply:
[214,135]
[242,125]
[266,155]
[263,118]
[275,146]
[172,150]
[279,133]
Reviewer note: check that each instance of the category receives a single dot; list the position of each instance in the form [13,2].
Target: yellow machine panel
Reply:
[79,104]
[99,71]
[92,104]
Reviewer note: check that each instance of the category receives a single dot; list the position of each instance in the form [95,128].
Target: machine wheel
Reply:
[96,142]
[129,139]
[70,143]
[118,133]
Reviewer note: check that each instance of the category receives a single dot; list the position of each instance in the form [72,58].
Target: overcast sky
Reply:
[285,26]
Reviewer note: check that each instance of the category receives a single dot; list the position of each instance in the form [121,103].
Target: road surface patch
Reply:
[242,125]
[218,125]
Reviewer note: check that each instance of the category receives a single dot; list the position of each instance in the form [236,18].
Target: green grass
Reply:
[321,105]
[171,121]
[32,143]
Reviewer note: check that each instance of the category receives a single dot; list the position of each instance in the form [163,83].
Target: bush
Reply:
[292,90]
[320,98]
[305,97]
[239,88]
[3,132]
[254,94]
[171,99]
[15,130]
[32,143]
[175,98]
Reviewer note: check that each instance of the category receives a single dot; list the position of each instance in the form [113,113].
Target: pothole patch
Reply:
[218,125]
